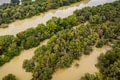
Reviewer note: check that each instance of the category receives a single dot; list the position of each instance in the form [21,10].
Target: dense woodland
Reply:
[70,44]
[66,43]
[13,11]
[109,65]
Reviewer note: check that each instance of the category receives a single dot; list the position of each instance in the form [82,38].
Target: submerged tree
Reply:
[15,1]
[9,77]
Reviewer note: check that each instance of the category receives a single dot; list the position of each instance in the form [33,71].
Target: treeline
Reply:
[70,44]
[11,12]
[108,64]
[8,48]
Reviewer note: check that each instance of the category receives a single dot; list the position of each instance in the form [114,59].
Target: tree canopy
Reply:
[108,64]
[9,77]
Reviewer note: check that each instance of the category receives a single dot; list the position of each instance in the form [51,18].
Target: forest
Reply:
[68,42]
[28,8]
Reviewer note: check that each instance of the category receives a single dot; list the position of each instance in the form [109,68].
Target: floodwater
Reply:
[21,25]
[86,65]
[4,1]
[8,1]
[15,65]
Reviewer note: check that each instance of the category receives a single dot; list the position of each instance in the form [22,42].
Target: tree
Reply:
[96,19]
[109,63]
[15,2]
[9,77]
[25,1]
[28,65]
[30,42]
[92,77]
[113,71]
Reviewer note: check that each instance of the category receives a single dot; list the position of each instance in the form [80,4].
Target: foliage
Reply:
[61,50]
[28,65]
[92,77]
[8,48]
[109,65]
[9,77]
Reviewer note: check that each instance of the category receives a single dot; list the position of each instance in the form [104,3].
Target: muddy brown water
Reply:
[86,63]
[21,25]
[15,65]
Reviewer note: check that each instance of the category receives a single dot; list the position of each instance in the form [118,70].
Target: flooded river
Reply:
[15,65]
[86,65]
[21,25]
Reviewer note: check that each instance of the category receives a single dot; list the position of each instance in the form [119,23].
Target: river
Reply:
[8,1]
[21,25]
[86,63]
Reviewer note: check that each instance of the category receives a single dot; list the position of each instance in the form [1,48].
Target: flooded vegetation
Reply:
[15,65]
[86,64]
[72,32]
[21,25]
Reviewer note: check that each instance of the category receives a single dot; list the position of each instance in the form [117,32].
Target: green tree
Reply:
[28,65]
[92,77]
[9,77]
[14,1]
